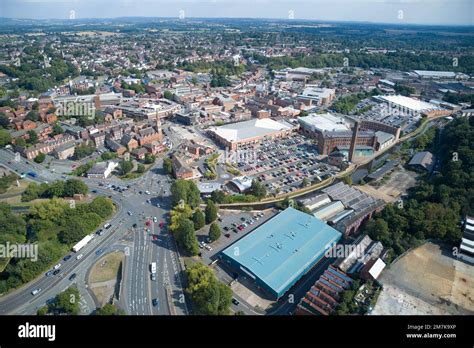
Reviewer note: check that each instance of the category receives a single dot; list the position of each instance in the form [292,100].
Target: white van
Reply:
[78,257]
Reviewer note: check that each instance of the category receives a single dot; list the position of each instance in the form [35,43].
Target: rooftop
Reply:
[281,250]
[325,122]
[409,103]
[250,129]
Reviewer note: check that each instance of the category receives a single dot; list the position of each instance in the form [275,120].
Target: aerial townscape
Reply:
[183,166]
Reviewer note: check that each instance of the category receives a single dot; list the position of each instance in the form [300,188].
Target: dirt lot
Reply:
[397,184]
[427,280]
[103,276]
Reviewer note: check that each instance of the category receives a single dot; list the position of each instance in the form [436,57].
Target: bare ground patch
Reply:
[427,280]
[398,183]
[103,276]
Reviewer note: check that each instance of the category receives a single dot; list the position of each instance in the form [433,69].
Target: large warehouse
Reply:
[278,253]
[249,132]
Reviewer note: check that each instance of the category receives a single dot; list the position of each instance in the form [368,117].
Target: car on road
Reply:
[57,266]
[134,225]
[56,272]
[158,205]
[36,291]
[78,257]
[100,232]
[153,276]
[67,257]
[129,213]
[73,276]
[155,219]
[147,192]
[155,302]
[99,251]
[49,273]
[235,301]
[107,226]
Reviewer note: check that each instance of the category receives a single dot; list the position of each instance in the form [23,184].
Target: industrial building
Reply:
[422,161]
[249,132]
[278,253]
[349,209]
[332,131]
[412,106]
[324,296]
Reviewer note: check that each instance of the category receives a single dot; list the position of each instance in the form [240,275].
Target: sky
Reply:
[438,12]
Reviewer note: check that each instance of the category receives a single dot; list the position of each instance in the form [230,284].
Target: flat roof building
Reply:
[278,253]
[249,132]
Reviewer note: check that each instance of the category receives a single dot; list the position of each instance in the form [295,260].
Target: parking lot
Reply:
[231,221]
[283,164]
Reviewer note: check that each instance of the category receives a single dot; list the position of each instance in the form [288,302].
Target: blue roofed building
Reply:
[278,253]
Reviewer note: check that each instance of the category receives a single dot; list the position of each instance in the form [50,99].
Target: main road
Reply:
[133,210]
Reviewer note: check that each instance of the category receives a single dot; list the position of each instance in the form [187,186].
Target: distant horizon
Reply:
[239,18]
[404,12]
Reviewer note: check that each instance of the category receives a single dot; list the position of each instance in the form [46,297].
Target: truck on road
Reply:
[82,243]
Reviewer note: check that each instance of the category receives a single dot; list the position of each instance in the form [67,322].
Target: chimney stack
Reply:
[352,148]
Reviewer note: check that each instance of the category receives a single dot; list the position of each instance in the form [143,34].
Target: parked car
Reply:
[49,273]
[57,266]
[235,301]
[56,272]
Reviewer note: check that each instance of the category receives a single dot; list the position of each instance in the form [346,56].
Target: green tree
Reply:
[126,167]
[109,309]
[168,95]
[21,142]
[42,310]
[258,189]
[208,295]
[75,186]
[211,211]
[186,237]
[32,137]
[57,129]
[214,232]
[40,158]
[187,191]
[198,219]
[167,165]
[140,168]
[102,206]
[5,138]
[32,116]
[378,230]
[218,196]
[67,301]
[149,158]
[4,120]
